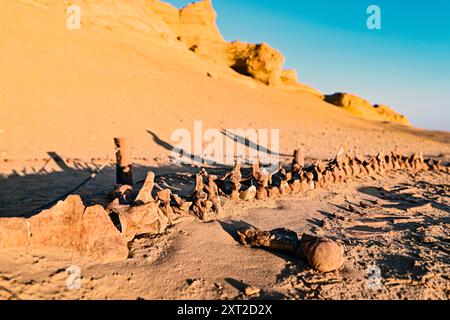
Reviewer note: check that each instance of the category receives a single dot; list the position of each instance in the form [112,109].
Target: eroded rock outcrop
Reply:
[364,109]
[195,25]
[347,100]
[144,219]
[14,233]
[289,76]
[68,225]
[390,115]
[259,61]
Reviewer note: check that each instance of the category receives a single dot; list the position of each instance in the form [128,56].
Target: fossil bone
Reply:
[145,194]
[248,194]
[322,254]
[299,160]
[262,179]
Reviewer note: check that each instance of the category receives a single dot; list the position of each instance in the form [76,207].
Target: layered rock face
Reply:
[363,108]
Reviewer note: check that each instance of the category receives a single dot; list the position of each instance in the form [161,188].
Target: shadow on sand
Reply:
[24,194]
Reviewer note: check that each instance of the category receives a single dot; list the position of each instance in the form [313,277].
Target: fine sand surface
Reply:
[408,243]
[65,95]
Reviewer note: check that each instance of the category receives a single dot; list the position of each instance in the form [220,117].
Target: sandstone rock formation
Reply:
[364,109]
[195,25]
[390,115]
[194,28]
[347,100]
[14,233]
[67,225]
[144,219]
[198,26]
[289,76]
[259,61]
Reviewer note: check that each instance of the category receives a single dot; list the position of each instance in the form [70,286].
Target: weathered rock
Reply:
[364,109]
[389,114]
[259,61]
[144,219]
[100,240]
[347,100]
[67,225]
[198,23]
[289,76]
[14,233]
[59,226]
[195,26]
[166,11]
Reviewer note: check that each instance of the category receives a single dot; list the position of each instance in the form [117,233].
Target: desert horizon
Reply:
[148,152]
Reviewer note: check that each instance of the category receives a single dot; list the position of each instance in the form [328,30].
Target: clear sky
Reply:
[405,65]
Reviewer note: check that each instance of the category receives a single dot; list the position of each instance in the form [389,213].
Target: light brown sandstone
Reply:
[67,225]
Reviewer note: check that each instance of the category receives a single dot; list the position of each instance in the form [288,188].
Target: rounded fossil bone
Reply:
[322,254]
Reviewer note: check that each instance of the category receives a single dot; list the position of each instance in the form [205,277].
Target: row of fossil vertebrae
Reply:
[211,192]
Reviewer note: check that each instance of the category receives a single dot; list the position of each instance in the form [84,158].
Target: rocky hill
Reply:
[194,26]
[141,65]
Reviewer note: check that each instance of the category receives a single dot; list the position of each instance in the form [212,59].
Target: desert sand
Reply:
[132,71]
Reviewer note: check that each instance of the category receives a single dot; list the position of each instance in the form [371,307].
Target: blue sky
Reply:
[405,65]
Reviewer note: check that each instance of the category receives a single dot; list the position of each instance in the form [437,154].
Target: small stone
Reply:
[251,291]
[212,75]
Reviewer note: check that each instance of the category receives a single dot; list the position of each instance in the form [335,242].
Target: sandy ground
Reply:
[395,249]
[65,96]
